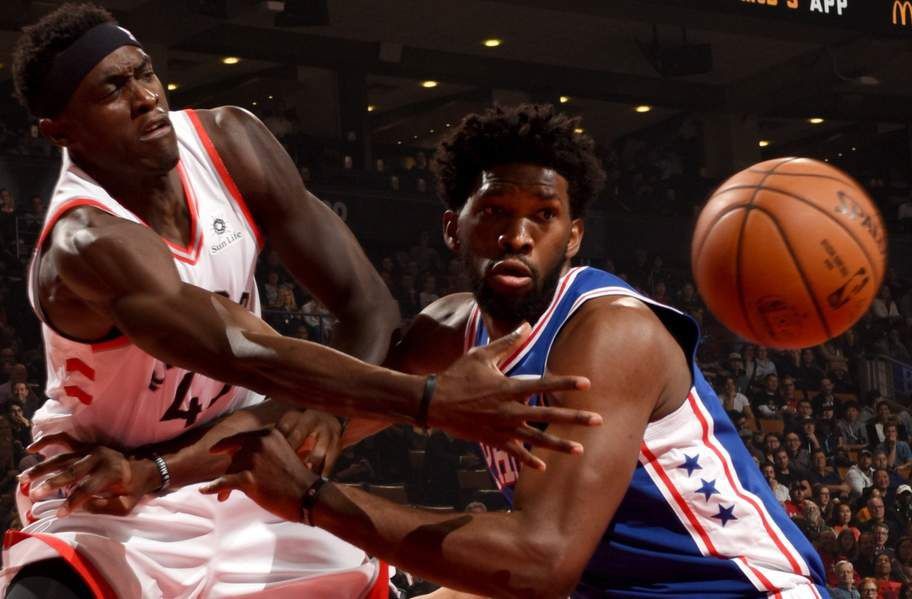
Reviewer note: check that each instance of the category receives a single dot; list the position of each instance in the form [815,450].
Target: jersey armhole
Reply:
[225,176]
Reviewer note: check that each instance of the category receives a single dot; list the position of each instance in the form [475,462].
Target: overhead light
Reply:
[430,131]
[564,99]
[815,120]
[643,108]
[492,42]
[269,97]
[172,87]
[230,60]
[254,103]
[839,155]
[371,108]
[853,148]
[579,130]
[448,125]
[399,142]
[414,137]
[763,143]
[429,83]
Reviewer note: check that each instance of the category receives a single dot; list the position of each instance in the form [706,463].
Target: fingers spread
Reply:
[558,415]
[55,439]
[539,438]
[549,384]
[518,451]
[501,349]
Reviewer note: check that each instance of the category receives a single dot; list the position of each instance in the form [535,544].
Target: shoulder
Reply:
[243,142]
[435,338]
[619,343]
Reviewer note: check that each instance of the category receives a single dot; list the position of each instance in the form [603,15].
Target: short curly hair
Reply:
[527,133]
[39,45]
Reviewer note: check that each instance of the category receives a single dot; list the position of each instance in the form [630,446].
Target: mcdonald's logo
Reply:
[902,12]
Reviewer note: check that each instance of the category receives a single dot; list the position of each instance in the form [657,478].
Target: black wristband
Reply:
[430,384]
[309,499]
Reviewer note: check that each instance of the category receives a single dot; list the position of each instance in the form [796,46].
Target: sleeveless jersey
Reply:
[698,519]
[112,392]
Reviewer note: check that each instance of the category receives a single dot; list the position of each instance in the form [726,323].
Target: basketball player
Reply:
[151,328]
[666,500]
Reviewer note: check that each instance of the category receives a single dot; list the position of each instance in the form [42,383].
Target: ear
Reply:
[54,130]
[576,238]
[451,230]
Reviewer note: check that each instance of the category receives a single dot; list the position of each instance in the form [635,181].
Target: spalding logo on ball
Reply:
[789,253]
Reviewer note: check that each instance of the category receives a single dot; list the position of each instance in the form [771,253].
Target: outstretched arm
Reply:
[124,272]
[543,545]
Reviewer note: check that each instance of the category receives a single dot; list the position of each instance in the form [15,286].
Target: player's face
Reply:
[118,117]
[516,237]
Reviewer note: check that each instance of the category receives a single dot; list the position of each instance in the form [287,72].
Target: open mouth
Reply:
[510,275]
[156,129]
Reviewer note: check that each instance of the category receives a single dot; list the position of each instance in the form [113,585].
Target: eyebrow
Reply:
[121,75]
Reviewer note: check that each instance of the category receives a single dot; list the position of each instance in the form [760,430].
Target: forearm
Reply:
[452,549]
[189,458]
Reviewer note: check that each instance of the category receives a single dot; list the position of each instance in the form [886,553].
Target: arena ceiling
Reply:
[592,51]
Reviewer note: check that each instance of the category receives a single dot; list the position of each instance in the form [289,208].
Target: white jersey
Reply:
[180,544]
[113,392]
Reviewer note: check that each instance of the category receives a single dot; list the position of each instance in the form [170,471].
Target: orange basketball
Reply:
[789,252]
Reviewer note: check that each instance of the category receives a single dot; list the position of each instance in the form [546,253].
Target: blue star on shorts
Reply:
[690,463]
[725,514]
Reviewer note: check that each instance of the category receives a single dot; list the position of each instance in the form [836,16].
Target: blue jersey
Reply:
[698,518]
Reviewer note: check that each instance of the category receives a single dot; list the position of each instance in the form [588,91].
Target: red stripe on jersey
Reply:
[74,391]
[731,481]
[541,322]
[85,568]
[77,365]
[115,343]
[63,209]
[226,177]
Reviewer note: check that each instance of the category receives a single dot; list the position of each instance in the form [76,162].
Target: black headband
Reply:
[75,62]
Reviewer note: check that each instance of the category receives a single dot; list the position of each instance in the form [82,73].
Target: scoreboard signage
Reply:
[876,17]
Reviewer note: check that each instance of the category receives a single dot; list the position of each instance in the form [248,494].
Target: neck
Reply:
[153,196]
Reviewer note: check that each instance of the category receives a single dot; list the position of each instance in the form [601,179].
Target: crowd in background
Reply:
[834,450]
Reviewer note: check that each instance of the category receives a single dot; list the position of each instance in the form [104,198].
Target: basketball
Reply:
[789,253]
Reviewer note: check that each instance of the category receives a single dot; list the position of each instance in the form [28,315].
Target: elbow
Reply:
[550,572]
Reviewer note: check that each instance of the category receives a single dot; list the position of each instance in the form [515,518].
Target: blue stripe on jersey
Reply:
[646,551]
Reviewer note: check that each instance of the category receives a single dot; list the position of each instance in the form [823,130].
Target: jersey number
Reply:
[177,411]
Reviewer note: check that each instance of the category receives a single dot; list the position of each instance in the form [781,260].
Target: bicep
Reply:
[576,497]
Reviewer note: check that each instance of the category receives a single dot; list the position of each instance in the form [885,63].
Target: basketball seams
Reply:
[799,268]
[739,250]
[842,225]
[814,175]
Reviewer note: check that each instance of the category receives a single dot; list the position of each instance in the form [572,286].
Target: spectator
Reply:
[898,452]
[18,373]
[786,472]
[271,290]
[877,431]
[763,366]
[845,586]
[25,397]
[869,589]
[688,300]
[780,491]
[864,561]
[904,556]
[902,506]
[858,476]
[21,427]
[822,497]
[879,461]
[881,480]
[767,399]
[796,498]
[804,410]
[824,476]
[843,521]
[809,373]
[887,587]
[878,519]
[428,293]
[851,428]
[735,401]
[771,445]
[884,310]
[798,456]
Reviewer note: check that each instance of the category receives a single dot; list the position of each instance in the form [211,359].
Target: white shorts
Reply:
[187,545]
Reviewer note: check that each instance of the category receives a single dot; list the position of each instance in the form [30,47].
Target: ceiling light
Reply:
[448,125]
[643,108]
[492,42]
[430,131]
[399,142]
[815,120]
[254,102]
[231,60]
[564,99]
[414,137]
[853,148]
[763,143]
[579,130]
[429,83]
[172,87]
[269,97]
[371,108]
